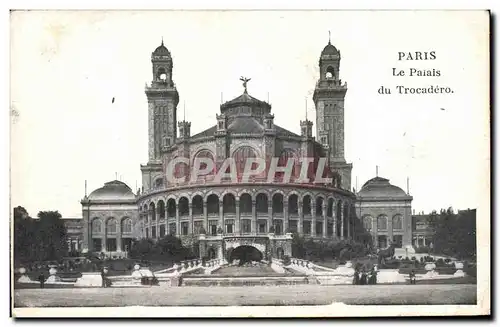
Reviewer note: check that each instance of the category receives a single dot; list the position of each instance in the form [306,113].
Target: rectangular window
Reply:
[153,232]
[246,226]
[278,227]
[97,244]
[111,244]
[198,225]
[172,229]
[213,227]
[293,226]
[162,230]
[262,226]
[307,227]
[229,226]
[329,229]
[185,228]
[147,232]
[319,228]
[126,244]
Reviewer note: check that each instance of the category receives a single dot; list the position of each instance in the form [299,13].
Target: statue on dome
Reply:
[245,81]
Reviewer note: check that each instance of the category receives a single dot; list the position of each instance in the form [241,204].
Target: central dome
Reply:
[114,190]
[381,188]
[245,105]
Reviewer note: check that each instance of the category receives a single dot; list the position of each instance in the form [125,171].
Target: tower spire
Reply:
[329,38]
[85,188]
[376,171]
[184,111]
[162,40]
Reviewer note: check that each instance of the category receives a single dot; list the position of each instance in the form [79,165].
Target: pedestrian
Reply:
[413,277]
[363,278]
[103,278]
[355,280]
[41,279]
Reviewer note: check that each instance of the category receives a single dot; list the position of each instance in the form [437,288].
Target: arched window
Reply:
[285,156]
[240,158]
[382,223]
[213,204]
[161,209]
[96,226]
[306,205]
[197,205]
[261,203]
[329,209]
[330,72]
[183,206]
[293,204]
[229,203]
[397,222]
[111,226]
[277,203]
[171,208]
[319,207]
[127,225]
[152,211]
[245,203]
[205,154]
[367,223]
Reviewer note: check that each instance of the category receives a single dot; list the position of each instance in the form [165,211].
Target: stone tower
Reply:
[162,104]
[328,98]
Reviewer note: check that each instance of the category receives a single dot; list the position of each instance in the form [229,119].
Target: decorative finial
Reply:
[162,40]
[306,109]
[245,81]
[85,188]
[184,111]
[376,171]
[329,37]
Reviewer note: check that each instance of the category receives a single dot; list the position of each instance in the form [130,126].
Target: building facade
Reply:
[385,211]
[260,211]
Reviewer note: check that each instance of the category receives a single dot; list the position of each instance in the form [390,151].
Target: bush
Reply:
[422,249]
[286,260]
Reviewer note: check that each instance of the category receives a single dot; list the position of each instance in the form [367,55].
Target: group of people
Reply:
[363,277]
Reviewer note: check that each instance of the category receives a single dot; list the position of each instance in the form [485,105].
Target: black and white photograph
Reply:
[264,163]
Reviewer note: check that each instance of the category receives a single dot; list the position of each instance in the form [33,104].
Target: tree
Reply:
[51,233]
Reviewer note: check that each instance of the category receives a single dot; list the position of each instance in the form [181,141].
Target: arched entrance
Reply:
[246,253]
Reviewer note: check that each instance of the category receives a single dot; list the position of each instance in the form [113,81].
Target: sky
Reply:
[67,66]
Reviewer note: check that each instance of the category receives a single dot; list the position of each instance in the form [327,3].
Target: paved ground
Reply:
[255,295]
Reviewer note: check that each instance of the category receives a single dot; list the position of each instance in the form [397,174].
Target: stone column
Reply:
[313,218]
[221,215]
[389,230]
[349,222]
[334,216]
[375,232]
[205,217]
[270,218]
[157,223]
[237,218]
[325,221]
[342,221]
[177,221]
[191,221]
[119,236]
[285,217]
[254,217]
[301,218]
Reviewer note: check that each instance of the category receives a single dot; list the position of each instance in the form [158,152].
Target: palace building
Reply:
[261,211]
